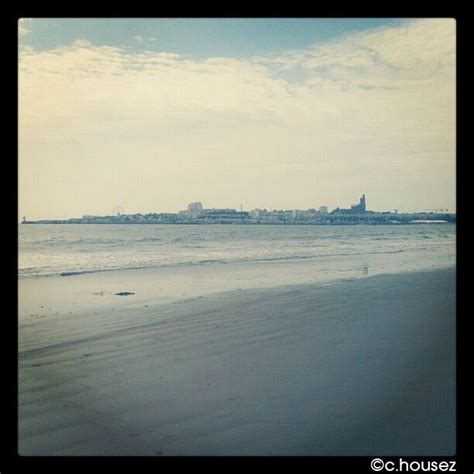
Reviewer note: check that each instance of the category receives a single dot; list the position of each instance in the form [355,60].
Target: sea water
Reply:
[69,249]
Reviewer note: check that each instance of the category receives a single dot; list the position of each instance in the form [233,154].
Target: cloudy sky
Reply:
[284,113]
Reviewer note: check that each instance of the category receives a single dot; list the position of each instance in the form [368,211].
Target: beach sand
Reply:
[356,367]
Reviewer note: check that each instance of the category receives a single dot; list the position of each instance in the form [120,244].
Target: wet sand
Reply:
[356,367]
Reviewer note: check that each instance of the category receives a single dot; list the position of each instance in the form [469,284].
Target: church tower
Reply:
[362,203]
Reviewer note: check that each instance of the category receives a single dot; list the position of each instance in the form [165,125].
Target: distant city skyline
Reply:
[196,210]
[153,114]
[244,208]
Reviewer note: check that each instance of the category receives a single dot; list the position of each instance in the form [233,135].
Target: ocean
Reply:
[52,250]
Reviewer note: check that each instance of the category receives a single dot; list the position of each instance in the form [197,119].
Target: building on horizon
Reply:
[355,208]
[359,208]
[194,209]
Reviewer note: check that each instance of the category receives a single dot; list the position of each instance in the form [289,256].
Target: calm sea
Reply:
[46,250]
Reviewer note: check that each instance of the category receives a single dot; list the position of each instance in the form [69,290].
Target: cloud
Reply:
[23,26]
[82,43]
[141,39]
[372,111]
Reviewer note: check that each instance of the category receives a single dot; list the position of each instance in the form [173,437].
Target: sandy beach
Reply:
[363,366]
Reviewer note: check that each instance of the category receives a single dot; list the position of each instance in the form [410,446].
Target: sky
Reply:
[152,114]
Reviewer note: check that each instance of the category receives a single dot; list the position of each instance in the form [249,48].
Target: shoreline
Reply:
[242,262]
[55,297]
[356,367]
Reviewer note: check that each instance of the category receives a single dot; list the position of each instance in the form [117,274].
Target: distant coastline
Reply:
[196,214]
[374,221]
